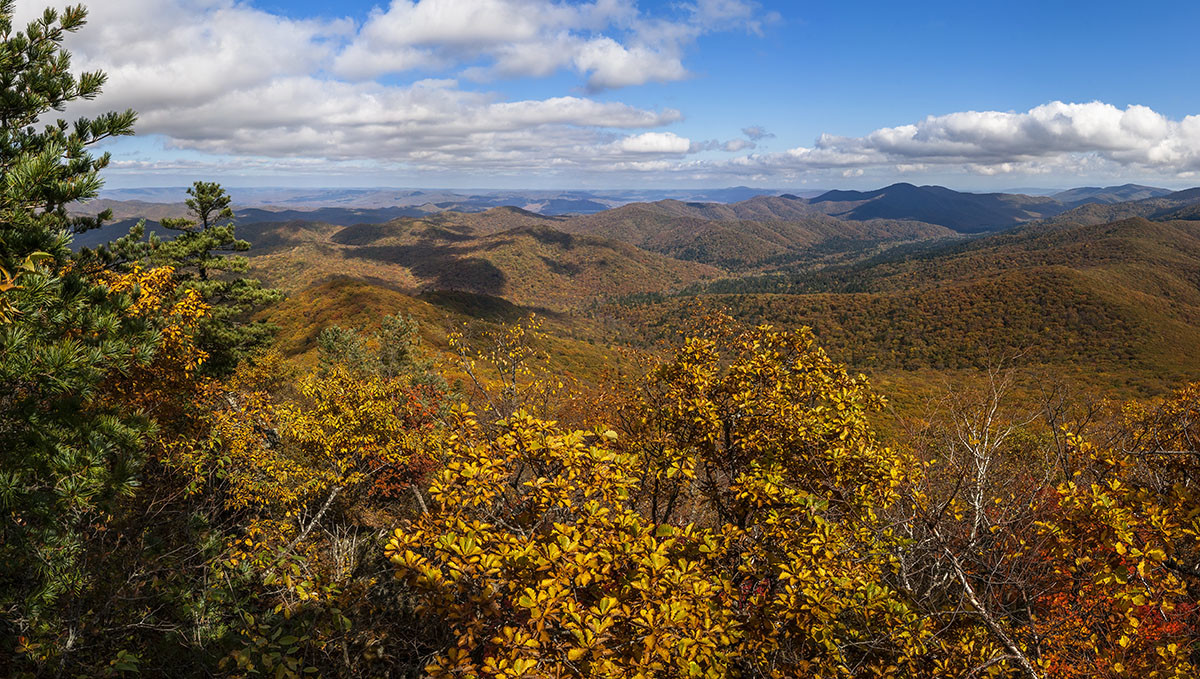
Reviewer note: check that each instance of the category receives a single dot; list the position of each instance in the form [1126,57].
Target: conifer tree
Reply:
[203,261]
[393,351]
[65,455]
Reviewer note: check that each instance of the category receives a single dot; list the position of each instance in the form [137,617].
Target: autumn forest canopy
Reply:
[840,437]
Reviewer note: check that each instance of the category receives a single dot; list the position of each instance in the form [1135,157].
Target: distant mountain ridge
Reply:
[963,212]
[439,200]
[1172,205]
[603,213]
[1109,194]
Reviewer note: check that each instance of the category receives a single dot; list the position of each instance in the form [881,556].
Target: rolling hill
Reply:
[764,231]
[506,253]
[127,214]
[1136,250]
[351,303]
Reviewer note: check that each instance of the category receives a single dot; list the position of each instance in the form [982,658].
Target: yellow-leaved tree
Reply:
[165,386]
[731,529]
[296,471]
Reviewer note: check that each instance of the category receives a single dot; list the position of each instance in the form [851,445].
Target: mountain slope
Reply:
[1122,297]
[758,232]
[508,253]
[963,212]
[1175,205]
[352,303]
[1136,250]
[1046,315]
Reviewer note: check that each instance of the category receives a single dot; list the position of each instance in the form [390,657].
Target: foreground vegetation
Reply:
[179,500]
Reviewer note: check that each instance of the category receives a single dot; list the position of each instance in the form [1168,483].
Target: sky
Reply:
[595,94]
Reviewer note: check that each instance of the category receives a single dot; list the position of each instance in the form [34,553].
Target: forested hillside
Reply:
[1173,205]
[1121,295]
[510,445]
[757,233]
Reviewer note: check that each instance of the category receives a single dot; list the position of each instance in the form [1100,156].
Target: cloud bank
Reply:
[413,88]
[222,77]
[610,42]
[1056,134]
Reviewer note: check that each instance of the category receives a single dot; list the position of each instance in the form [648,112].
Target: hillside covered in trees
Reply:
[1120,297]
[636,443]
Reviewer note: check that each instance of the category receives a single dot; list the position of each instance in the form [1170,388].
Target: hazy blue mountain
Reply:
[546,201]
[963,212]
[1030,190]
[642,209]
[1109,194]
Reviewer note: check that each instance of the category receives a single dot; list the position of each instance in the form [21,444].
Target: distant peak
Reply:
[513,209]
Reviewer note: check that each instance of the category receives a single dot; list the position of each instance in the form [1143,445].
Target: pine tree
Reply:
[201,255]
[392,351]
[65,456]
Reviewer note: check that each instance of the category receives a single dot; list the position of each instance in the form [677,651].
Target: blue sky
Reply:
[622,93]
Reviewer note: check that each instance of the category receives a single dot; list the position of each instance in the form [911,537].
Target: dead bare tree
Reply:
[989,455]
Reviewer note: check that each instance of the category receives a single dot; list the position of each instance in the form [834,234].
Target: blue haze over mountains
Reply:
[966,213]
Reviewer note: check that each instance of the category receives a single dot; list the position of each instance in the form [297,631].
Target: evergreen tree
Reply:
[202,260]
[392,351]
[65,455]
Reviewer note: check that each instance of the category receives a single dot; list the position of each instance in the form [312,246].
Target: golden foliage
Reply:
[541,556]
[275,458]
[165,383]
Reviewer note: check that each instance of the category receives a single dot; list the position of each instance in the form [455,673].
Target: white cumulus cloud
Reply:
[655,142]
[225,78]
[612,43]
[1055,136]
[228,79]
